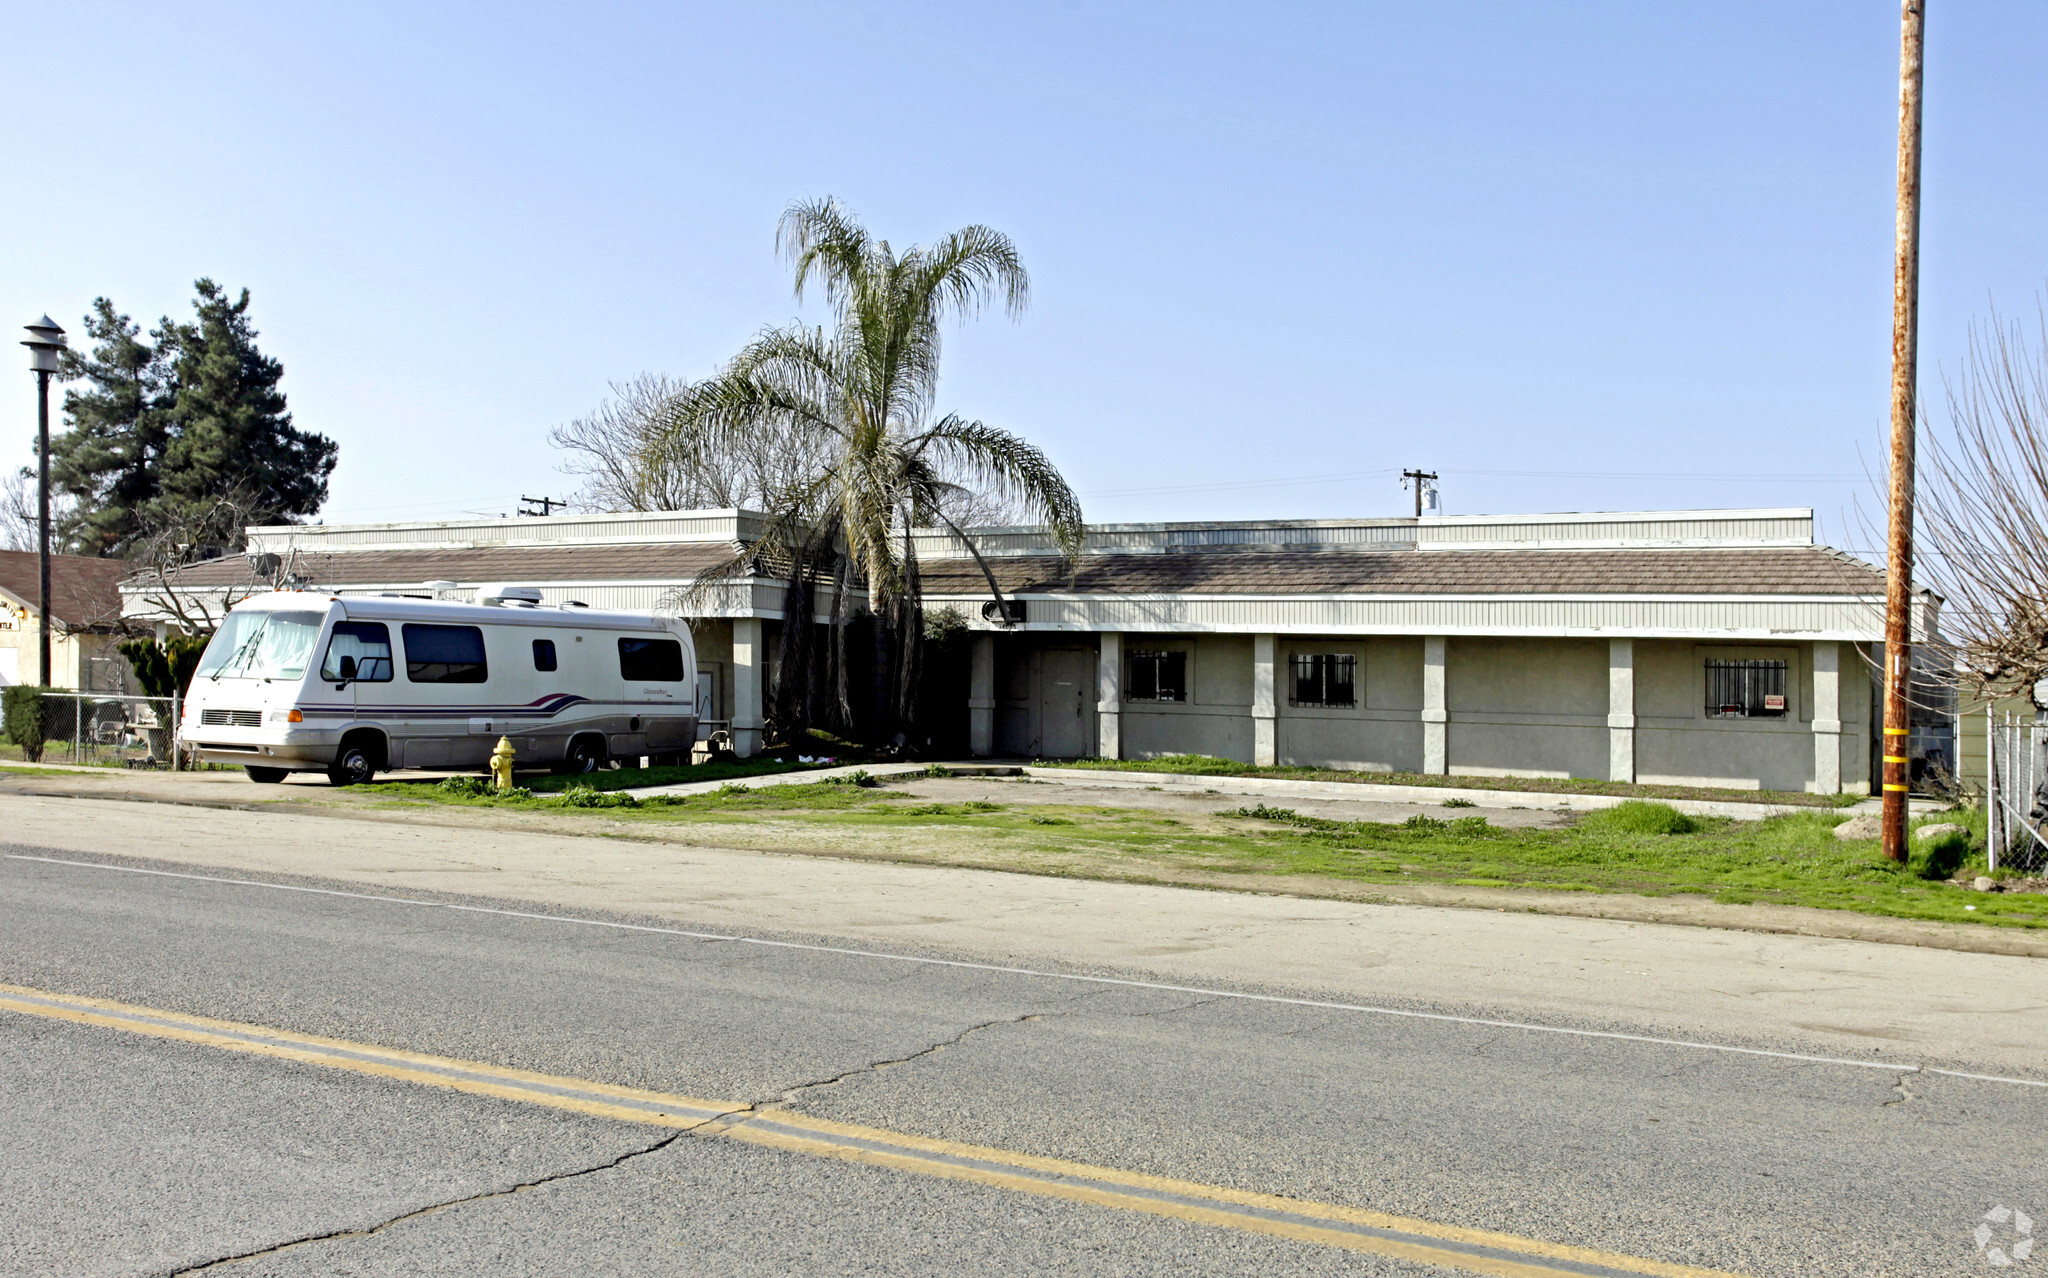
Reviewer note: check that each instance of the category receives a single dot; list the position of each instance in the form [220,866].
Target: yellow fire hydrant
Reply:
[501,763]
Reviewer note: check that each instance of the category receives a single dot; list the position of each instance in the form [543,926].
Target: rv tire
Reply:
[266,776]
[355,762]
[586,754]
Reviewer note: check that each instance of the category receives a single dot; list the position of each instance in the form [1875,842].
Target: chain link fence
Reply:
[2016,792]
[108,729]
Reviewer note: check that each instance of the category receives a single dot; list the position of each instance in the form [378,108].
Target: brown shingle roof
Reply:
[83,589]
[535,564]
[1768,571]
[1765,571]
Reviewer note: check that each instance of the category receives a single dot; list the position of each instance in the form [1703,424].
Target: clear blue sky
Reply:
[1566,253]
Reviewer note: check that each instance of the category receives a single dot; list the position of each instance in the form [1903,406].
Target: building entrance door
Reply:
[1064,678]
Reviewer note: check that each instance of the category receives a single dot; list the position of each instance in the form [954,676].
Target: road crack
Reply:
[1168,1011]
[789,1094]
[344,1235]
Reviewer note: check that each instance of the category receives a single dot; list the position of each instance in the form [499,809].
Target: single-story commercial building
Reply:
[1719,648]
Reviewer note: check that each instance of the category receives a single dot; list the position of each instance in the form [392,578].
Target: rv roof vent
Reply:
[574,603]
[436,589]
[504,596]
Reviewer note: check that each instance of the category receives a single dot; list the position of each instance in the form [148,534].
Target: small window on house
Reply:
[1157,676]
[1746,689]
[544,655]
[1323,679]
[650,660]
[445,654]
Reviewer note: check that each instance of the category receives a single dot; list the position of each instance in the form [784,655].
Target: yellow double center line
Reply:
[1328,1224]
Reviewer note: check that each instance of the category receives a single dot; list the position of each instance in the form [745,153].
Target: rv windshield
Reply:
[262,645]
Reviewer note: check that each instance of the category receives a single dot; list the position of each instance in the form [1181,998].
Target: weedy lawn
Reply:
[1209,765]
[1639,847]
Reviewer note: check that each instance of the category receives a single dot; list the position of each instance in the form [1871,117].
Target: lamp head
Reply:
[45,343]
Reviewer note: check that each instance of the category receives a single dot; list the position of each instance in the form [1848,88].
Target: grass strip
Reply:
[1210,765]
[1644,848]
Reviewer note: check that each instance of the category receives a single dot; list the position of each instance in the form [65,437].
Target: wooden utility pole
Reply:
[1420,477]
[1898,589]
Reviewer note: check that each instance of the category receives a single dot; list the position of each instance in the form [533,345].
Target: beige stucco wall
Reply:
[1380,734]
[712,639]
[1530,707]
[1216,719]
[87,661]
[1526,707]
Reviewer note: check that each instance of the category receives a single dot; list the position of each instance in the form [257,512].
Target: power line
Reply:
[1354,476]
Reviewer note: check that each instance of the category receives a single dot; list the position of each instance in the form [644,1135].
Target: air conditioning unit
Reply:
[505,596]
[1007,612]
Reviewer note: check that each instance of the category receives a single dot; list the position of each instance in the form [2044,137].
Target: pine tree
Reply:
[107,461]
[232,440]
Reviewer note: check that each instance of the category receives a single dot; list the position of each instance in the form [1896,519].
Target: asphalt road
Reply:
[128,1152]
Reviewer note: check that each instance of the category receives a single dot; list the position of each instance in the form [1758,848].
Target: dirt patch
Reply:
[1197,803]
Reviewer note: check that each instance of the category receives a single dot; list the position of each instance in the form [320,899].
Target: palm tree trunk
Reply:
[883,730]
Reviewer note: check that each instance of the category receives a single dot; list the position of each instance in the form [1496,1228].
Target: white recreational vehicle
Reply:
[353,685]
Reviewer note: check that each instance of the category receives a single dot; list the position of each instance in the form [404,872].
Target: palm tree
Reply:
[866,392]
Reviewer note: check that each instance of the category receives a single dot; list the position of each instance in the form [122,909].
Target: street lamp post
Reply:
[45,342]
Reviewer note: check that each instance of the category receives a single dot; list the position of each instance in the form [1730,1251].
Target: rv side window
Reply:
[444,654]
[651,660]
[359,650]
[544,655]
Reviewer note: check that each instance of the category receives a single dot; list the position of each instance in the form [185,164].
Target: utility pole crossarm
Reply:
[1424,480]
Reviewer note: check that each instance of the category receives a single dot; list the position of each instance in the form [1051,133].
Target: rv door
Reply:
[358,653]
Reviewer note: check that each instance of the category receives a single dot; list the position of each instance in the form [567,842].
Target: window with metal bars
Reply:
[1746,689]
[1322,679]
[1157,676]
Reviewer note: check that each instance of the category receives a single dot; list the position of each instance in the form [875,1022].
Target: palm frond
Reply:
[968,269]
[822,236]
[1013,464]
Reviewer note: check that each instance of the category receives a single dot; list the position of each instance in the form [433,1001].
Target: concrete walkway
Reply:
[1272,787]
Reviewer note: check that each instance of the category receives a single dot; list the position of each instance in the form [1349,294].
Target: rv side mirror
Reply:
[348,670]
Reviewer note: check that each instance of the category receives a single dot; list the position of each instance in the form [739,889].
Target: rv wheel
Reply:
[586,754]
[352,766]
[265,776]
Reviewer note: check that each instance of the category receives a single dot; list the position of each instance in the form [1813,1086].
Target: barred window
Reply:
[1157,676]
[1323,679]
[1746,689]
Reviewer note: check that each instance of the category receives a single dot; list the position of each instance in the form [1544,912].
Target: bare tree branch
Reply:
[1983,508]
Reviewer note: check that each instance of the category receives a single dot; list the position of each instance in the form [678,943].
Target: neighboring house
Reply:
[1973,731]
[1713,648]
[85,616]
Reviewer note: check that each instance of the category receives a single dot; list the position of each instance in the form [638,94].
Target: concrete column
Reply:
[1265,708]
[1435,745]
[1827,718]
[749,664]
[1621,710]
[981,697]
[1109,707]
